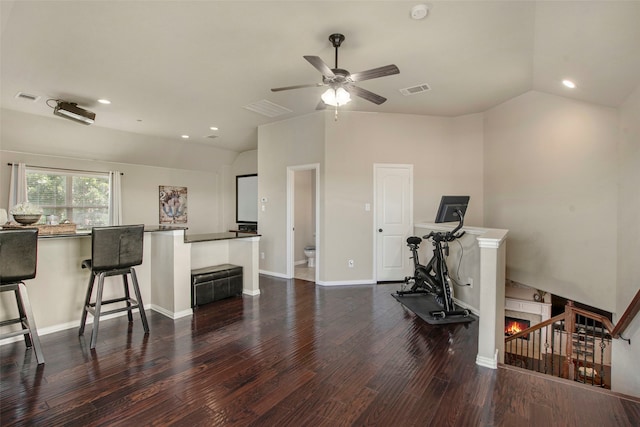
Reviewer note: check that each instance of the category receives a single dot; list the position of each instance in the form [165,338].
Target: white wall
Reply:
[445,161]
[54,136]
[245,164]
[446,154]
[140,204]
[551,180]
[53,142]
[293,142]
[625,374]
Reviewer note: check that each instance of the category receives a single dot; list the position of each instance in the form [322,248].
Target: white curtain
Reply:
[115,201]
[18,185]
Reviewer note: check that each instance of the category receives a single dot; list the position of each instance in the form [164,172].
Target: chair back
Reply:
[116,247]
[18,255]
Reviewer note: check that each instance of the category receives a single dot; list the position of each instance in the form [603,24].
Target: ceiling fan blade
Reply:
[319,64]
[369,96]
[374,73]
[321,106]
[278,89]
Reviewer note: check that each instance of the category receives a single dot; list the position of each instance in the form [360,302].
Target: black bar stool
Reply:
[114,252]
[18,260]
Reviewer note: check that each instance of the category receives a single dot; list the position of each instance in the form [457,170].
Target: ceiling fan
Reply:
[341,82]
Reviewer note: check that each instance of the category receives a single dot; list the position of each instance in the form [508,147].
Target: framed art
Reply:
[173,204]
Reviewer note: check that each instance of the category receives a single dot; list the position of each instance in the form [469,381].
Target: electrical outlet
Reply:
[350,263]
[261,255]
[470,281]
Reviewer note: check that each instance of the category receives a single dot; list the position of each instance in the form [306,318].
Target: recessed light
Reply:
[213,128]
[569,84]
[104,101]
[185,136]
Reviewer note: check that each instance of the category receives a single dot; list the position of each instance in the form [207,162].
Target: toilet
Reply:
[310,253]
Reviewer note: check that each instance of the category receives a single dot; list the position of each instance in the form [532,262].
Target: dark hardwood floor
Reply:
[296,355]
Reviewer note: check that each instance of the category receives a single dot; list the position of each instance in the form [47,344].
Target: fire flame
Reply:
[513,328]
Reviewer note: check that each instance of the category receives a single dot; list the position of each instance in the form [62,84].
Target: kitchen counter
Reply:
[58,290]
[209,237]
[84,233]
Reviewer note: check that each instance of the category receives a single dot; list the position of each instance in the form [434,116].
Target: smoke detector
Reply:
[419,11]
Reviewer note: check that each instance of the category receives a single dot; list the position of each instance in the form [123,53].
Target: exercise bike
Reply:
[433,278]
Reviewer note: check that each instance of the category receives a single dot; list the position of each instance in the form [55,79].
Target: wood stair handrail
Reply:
[615,331]
[627,317]
[597,317]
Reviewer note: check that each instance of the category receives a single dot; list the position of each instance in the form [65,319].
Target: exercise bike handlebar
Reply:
[448,236]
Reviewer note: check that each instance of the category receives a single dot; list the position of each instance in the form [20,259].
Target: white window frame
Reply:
[69,174]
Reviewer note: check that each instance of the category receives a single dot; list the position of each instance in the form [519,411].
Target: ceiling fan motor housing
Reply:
[340,76]
[336,39]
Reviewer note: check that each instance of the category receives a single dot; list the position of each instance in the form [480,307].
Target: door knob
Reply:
[379,230]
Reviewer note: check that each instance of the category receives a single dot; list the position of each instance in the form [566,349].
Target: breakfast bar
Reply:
[170,253]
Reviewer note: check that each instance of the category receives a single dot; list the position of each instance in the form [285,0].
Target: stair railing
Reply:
[628,315]
[574,345]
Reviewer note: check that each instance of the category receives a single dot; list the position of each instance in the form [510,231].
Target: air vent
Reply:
[27,96]
[211,136]
[415,89]
[267,108]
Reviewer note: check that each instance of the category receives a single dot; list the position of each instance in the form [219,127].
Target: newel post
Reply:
[569,327]
[492,277]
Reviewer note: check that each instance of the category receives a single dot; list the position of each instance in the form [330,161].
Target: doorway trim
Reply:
[291,170]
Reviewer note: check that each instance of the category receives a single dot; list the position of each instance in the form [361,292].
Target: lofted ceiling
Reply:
[179,67]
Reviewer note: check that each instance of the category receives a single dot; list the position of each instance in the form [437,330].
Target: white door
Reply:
[393,220]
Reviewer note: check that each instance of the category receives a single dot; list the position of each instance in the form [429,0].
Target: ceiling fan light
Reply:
[336,97]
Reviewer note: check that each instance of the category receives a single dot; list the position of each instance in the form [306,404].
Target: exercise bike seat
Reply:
[414,240]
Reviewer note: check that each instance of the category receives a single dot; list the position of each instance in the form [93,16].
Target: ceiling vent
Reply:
[267,108]
[415,89]
[27,96]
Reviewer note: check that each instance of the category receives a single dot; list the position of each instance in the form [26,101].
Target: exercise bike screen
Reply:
[449,207]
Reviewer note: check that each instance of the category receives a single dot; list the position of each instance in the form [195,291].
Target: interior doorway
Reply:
[303,248]
[393,209]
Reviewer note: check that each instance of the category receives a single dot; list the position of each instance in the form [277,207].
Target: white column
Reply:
[244,252]
[492,276]
[171,274]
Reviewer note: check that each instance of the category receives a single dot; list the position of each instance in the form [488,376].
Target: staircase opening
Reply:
[552,335]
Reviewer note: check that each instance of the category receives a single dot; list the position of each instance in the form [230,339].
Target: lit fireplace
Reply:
[513,325]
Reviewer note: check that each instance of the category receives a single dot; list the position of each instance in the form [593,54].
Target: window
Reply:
[78,196]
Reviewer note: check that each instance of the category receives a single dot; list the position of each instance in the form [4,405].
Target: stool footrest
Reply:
[15,333]
[134,304]
[111,301]
[115,310]
[12,321]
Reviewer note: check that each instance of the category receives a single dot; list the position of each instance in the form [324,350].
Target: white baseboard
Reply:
[346,282]
[488,362]
[251,293]
[171,314]
[274,274]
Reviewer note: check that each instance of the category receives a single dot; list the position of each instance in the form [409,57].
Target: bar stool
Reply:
[18,260]
[114,252]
